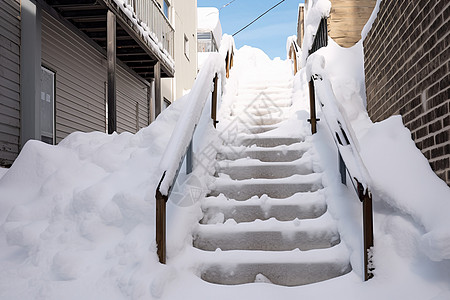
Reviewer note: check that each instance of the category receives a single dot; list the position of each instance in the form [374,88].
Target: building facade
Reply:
[346,20]
[407,71]
[88,65]
[183,16]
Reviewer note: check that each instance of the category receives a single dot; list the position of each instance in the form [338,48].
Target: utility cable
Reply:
[258,17]
[227,4]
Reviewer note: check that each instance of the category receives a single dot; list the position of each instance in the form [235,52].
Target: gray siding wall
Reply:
[80,79]
[81,85]
[132,104]
[9,81]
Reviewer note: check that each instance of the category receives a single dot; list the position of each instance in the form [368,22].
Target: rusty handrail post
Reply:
[366,198]
[161,201]
[214,102]
[312,106]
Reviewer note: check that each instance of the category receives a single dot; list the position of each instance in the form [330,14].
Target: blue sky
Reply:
[268,33]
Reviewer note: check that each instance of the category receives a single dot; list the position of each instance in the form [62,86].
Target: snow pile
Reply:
[77,218]
[208,21]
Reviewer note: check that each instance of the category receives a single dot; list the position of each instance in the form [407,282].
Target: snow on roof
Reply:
[208,20]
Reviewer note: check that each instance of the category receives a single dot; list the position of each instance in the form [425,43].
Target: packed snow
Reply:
[77,219]
[208,21]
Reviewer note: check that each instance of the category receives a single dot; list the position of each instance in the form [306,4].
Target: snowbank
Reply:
[77,219]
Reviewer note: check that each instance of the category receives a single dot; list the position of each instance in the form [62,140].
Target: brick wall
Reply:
[407,69]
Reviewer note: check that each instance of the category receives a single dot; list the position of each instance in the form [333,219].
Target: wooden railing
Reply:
[180,148]
[350,161]
[149,12]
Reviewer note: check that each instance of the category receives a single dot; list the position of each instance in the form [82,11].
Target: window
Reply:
[186,46]
[166,9]
[47,106]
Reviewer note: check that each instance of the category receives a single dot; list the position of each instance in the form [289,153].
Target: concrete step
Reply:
[254,168]
[265,141]
[275,188]
[268,235]
[280,153]
[287,268]
[258,129]
[298,206]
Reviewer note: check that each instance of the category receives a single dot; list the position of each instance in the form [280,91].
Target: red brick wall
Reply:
[407,69]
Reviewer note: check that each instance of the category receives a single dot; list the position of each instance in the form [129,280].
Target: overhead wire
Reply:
[227,4]
[257,17]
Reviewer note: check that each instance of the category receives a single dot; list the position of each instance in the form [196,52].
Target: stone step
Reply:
[298,206]
[268,235]
[254,168]
[287,268]
[280,153]
[275,188]
[265,141]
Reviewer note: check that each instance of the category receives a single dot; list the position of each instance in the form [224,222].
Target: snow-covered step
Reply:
[261,111]
[298,206]
[254,168]
[261,120]
[248,102]
[265,141]
[259,129]
[268,235]
[257,86]
[275,188]
[288,268]
[280,153]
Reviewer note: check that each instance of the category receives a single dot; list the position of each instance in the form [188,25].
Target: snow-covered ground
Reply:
[77,219]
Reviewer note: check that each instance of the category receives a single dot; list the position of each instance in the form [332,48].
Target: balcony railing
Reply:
[150,13]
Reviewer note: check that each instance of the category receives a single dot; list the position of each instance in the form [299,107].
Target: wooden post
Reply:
[312,106]
[111,57]
[214,102]
[158,98]
[342,169]
[366,199]
[227,64]
[161,223]
[189,157]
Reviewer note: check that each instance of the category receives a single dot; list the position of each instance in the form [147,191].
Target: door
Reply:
[47,106]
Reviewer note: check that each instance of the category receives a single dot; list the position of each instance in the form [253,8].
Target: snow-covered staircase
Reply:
[266,216]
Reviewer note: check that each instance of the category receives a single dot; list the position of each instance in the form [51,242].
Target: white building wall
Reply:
[183,16]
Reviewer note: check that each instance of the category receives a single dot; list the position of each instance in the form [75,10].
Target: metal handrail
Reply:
[169,176]
[346,144]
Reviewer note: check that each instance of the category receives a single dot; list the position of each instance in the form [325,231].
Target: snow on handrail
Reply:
[350,160]
[337,121]
[184,129]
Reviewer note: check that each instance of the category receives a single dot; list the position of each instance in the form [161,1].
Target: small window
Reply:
[166,9]
[186,46]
